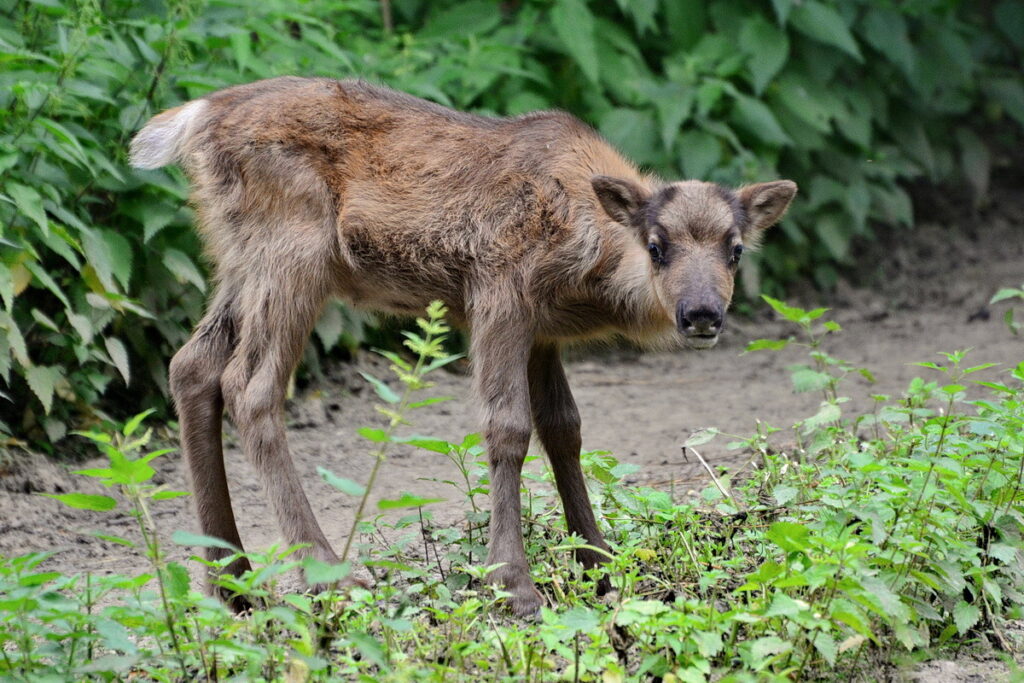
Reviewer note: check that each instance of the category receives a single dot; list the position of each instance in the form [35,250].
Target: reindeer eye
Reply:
[737,251]
[654,249]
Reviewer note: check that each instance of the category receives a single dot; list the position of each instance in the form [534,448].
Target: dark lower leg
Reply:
[500,354]
[558,426]
[195,384]
[277,316]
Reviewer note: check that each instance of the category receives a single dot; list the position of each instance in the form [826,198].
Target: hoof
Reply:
[526,606]
[350,581]
[525,600]
[236,603]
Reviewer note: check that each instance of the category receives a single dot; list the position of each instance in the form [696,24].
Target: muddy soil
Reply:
[927,292]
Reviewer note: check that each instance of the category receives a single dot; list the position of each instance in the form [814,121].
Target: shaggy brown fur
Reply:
[533,230]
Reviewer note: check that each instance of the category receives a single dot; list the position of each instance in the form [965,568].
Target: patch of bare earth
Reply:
[927,292]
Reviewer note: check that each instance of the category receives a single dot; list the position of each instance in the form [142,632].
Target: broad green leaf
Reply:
[319,572]
[789,536]
[673,102]
[70,142]
[846,612]
[114,539]
[60,241]
[119,354]
[783,493]
[642,12]
[1009,18]
[183,269]
[40,273]
[768,48]
[784,606]
[29,203]
[769,645]
[633,131]
[426,443]
[373,434]
[1006,293]
[826,646]
[407,500]
[828,413]
[97,253]
[187,538]
[462,18]
[168,495]
[121,256]
[699,153]
[346,486]
[709,644]
[44,320]
[770,344]
[579,620]
[429,401]
[701,437]
[241,48]
[965,616]
[836,233]
[369,647]
[812,105]
[177,583]
[42,380]
[782,10]
[84,501]
[893,205]
[685,22]
[574,26]
[385,392]
[790,313]
[133,424]
[889,604]
[55,429]
[824,24]
[6,287]
[15,339]
[886,30]
[757,119]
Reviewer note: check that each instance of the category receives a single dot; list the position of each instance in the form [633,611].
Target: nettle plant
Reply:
[894,531]
[1005,294]
[101,275]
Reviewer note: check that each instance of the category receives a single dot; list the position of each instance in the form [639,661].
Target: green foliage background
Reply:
[101,275]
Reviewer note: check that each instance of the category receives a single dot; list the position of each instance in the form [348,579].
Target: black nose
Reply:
[702,321]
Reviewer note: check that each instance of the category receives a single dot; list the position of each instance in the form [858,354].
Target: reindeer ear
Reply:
[622,199]
[765,203]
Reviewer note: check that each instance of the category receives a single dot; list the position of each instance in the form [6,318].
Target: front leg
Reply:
[500,352]
[558,425]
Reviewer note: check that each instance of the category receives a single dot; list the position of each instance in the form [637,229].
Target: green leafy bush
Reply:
[101,276]
[895,531]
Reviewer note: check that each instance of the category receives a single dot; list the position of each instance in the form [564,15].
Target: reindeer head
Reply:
[694,233]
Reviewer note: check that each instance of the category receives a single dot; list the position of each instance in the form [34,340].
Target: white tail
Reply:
[160,142]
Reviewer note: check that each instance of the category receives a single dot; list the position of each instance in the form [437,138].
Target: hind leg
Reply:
[195,373]
[278,305]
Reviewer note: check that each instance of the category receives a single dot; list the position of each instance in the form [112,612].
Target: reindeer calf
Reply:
[532,229]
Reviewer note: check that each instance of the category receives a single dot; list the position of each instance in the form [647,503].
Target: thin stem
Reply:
[153,548]
[381,453]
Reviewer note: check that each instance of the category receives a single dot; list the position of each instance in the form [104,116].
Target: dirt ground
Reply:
[923,291]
